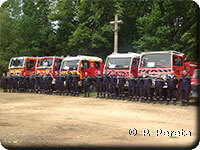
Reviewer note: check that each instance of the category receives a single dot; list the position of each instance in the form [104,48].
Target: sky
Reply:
[1,2]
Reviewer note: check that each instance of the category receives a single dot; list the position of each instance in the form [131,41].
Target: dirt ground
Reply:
[51,120]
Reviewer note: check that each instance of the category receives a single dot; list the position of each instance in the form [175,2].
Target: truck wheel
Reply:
[93,87]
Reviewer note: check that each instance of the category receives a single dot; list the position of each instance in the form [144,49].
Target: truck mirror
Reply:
[185,59]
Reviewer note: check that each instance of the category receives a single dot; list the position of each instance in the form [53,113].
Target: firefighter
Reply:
[159,84]
[4,82]
[147,87]
[185,86]
[37,82]
[172,81]
[75,80]
[20,79]
[99,80]
[68,80]
[139,87]
[113,83]
[17,78]
[9,77]
[86,85]
[32,82]
[26,83]
[41,82]
[49,83]
[61,83]
[105,84]
[57,83]
[15,82]
[121,82]
[131,87]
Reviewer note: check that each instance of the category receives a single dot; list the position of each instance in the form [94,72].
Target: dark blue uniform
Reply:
[75,80]
[159,84]
[49,84]
[61,80]
[121,83]
[41,83]
[57,84]
[10,78]
[68,80]
[26,83]
[105,84]
[15,83]
[4,83]
[21,84]
[86,86]
[32,83]
[37,83]
[139,87]
[131,87]
[99,80]
[185,86]
[147,88]
[171,88]
[113,83]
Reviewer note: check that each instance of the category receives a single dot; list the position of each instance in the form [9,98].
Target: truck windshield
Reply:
[70,65]
[156,60]
[45,63]
[118,63]
[17,63]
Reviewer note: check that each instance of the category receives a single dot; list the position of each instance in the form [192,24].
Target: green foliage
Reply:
[171,25]
[72,27]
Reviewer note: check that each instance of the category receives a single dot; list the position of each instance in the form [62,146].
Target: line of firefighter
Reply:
[106,85]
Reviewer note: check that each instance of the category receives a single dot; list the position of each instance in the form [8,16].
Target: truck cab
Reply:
[49,64]
[125,62]
[82,64]
[22,65]
[162,62]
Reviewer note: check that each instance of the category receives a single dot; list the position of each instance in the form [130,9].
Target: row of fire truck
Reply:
[159,62]
[54,64]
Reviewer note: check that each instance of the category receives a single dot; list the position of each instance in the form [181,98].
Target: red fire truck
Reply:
[163,62]
[23,65]
[83,64]
[125,62]
[49,64]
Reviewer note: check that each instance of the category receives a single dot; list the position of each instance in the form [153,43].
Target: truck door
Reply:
[30,66]
[85,67]
[57,65]
[134,67]
[178,65]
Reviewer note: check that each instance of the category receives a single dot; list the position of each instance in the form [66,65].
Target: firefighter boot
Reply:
[149,100]
[97,95]
[174,103]
[186,103]
[104,95]
[167,103]
[182,103]
[84,94]
[130,97]
[123,97]
[88,95]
